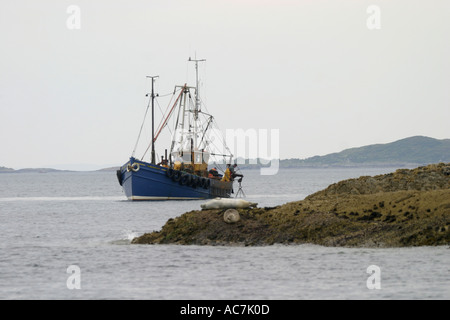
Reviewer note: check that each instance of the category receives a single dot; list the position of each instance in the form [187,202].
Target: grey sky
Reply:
[309,68]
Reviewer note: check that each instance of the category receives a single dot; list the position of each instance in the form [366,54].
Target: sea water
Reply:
[66,235]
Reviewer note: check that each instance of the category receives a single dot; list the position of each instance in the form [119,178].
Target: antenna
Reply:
[197,99]
[153,119]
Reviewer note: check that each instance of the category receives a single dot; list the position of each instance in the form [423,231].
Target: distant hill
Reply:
[47,170]
[412,151]
[36,170]
[109,169]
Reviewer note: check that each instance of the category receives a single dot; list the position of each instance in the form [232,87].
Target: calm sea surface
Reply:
[50,221]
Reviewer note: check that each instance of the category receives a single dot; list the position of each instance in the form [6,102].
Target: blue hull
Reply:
[144,181]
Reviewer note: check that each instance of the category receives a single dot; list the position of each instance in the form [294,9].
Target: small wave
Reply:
[127,238]
[86,198]
[130,235]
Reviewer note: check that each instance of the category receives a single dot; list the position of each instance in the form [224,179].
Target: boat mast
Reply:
[197,95]
[153,119]
[197,98]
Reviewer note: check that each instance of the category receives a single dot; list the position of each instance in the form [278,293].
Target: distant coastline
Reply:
[241,167]
[47,170]
[409,152]
[29,170]
[405,153]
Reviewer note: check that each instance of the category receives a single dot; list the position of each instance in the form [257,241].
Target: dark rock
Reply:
[330,220]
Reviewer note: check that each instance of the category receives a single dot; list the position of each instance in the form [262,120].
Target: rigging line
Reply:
[217,127]
[218,154]
[163,116]
[165,121]
[168,116]
[211,145]
[155,139]
[140,131]
[222,137]
[159,107]
[148,147]
[162,113]
[174,137]
[165,95]
[203,104]
[206,129]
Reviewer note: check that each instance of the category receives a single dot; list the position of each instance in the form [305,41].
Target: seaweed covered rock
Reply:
[404,208]
[431,177]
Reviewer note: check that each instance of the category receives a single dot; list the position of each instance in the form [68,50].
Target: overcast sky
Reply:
[313,69]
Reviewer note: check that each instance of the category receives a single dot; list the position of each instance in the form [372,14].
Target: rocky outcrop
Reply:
[431,177]
[404,208]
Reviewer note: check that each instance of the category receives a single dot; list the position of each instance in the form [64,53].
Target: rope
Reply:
[140,131]
[163,115]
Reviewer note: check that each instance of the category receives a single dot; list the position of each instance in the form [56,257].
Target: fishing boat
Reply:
[182,173]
